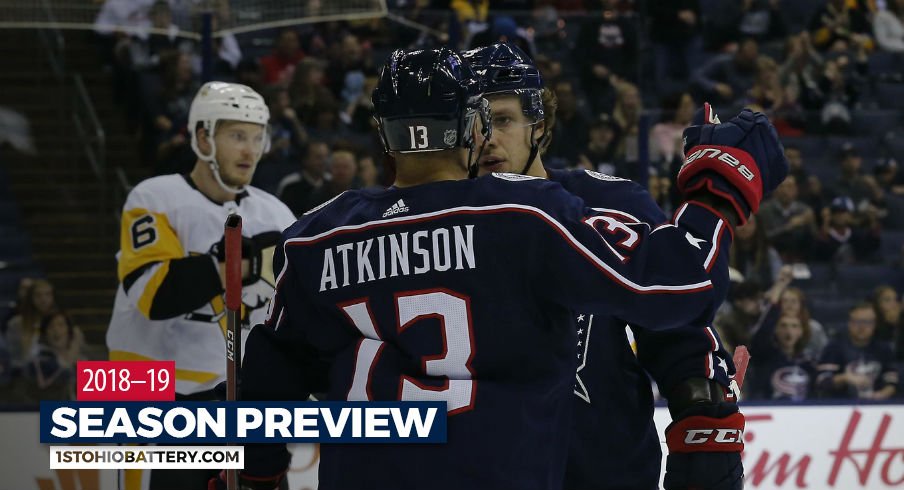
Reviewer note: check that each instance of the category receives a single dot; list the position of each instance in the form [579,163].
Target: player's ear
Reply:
[203,139]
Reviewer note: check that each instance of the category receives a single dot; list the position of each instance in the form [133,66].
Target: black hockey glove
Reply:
[705,440]
[250,252]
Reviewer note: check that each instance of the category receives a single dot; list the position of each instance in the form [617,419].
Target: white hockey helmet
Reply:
[221,101]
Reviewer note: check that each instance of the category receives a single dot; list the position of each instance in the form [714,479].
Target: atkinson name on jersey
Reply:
[398,254]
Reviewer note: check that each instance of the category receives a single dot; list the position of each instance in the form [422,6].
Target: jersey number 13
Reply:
[454,363]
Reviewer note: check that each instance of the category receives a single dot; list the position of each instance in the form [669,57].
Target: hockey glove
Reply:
[250,252]
[705,443]
[276,482]
[741,161]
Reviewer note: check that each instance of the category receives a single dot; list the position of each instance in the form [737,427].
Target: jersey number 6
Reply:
[143,232]
[454,314]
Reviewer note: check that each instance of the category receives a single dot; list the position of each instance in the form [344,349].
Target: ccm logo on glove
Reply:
[722,156]
[719,436]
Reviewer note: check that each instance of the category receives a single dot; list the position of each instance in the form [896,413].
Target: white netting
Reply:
[236,16]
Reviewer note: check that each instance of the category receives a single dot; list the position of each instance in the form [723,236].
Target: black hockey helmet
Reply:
[428,100]
[504,68]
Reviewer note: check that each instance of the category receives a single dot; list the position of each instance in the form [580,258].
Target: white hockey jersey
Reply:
[169,304]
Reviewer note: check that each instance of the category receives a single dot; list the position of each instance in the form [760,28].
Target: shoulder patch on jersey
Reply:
[602,176]
[514,177]
[318,208]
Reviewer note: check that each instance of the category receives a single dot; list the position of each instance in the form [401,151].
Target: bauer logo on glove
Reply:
[714,153]
[740,161]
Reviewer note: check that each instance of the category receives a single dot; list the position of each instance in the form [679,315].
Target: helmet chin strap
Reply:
[535,145]
[474,163]
[215,169]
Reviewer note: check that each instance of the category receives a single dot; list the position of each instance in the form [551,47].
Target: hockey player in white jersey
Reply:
[169,304]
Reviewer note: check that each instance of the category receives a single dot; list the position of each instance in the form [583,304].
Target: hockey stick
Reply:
[741,359]
[233,234]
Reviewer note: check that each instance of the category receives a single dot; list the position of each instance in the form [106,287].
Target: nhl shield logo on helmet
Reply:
[450,136]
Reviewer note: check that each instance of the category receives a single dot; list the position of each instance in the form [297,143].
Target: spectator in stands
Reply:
[839,89]
[358,106]
[548,28]
[801,70]
[15,306]
[606,47]
[225,46]
[23,330]
[63,337]
[660,190]
[306,89]
[343,172]
[248,72]
[570,131]
[167,104]
[796,167]
[762,20]
[603,139]
[142,50]
[767,93]
[889,322]
[52,367]
[858,365]
[666,141]
[675,29]
[628,108]
[287,133]
[504,29]
[471,17]
[550,69]
[779,101]
[348,62]
[889,177]
[888,27]
[783,300]
[780,368]
[852,182]
[751,254]
[296,189]
[325,124]
[736,325]
[841,239]
[727,78]
[840,26]
[790,225]
[278,65]
[368,175]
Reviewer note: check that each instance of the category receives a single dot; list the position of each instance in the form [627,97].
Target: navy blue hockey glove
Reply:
[705,443]
[741,160]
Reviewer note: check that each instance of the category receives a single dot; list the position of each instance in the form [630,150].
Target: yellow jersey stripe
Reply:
[146,300]
[146,237]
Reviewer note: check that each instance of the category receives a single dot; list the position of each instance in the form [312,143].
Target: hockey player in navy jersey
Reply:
[614,441]
[445,288]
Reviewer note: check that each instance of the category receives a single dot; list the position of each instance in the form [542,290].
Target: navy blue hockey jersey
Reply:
[614,440]
[875,361]
[463,291]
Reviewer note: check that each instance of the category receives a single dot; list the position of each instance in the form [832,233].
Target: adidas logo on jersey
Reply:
[397,208]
